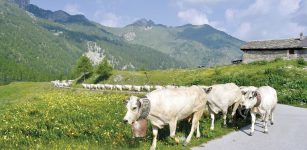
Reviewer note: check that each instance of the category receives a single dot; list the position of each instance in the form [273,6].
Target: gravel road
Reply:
[288,133]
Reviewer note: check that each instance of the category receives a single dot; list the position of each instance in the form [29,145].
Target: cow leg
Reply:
[197,130]
[224,118]
[212,118]
[196,117]
[272,116]
[253,115]
[155,134]
[212,121]
[266,119]
[234,109]
[172,129]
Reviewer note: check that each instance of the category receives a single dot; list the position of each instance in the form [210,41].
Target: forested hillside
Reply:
[35,49]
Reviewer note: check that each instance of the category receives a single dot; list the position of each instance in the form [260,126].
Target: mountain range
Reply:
[38,44]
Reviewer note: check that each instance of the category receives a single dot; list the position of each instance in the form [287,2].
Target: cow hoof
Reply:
[272,123]
[266,132]
[185,143]
[177,140]
[152,148]
[251,134]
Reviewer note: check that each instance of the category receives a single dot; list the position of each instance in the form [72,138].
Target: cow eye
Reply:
[250,97]
[134,108]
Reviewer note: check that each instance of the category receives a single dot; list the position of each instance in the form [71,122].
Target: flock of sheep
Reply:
[137,88]
[62,84]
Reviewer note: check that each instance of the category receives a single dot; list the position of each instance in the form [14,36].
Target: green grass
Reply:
[287,77]
[39,116]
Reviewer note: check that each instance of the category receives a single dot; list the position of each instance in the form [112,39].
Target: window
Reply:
[291,51]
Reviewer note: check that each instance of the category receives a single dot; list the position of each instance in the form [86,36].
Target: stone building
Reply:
[271,49]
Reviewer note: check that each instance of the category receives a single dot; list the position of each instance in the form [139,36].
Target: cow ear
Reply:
[243,92]
[207,90]
[138,103]
[125,102]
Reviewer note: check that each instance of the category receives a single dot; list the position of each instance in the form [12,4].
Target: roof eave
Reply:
[272,48]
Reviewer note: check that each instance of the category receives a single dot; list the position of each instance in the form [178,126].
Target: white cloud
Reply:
[193,16]
[192,2]
[230,14]
[263,19]
[244,30]
[72,9]
[289,6]
[108,19]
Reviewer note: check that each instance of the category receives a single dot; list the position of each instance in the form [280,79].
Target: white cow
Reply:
[167,106]
[158,87]
[220,98]
[262,101]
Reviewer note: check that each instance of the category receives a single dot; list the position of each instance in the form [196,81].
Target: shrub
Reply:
[301,61]
[277,59]
[262,62]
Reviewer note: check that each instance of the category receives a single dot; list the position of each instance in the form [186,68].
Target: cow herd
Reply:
[168,105]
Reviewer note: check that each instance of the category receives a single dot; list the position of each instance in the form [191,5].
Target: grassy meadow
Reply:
[289,78]
[39,116]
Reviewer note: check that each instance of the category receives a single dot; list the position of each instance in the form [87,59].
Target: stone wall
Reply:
[302,53]
[257,55]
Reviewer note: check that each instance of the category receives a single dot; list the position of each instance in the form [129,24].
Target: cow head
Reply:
[133,106]
[249,99]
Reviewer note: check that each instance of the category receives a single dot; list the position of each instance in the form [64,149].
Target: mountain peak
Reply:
[143,22]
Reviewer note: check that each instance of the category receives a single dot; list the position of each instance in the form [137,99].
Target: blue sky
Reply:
[245,19]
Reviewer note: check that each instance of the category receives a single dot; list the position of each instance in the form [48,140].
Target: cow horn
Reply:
[255,93]
[138,103]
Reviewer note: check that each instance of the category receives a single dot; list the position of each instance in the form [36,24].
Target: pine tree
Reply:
[104,70]
[84,67]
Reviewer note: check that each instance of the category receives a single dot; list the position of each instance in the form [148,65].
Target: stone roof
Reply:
[294,43]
